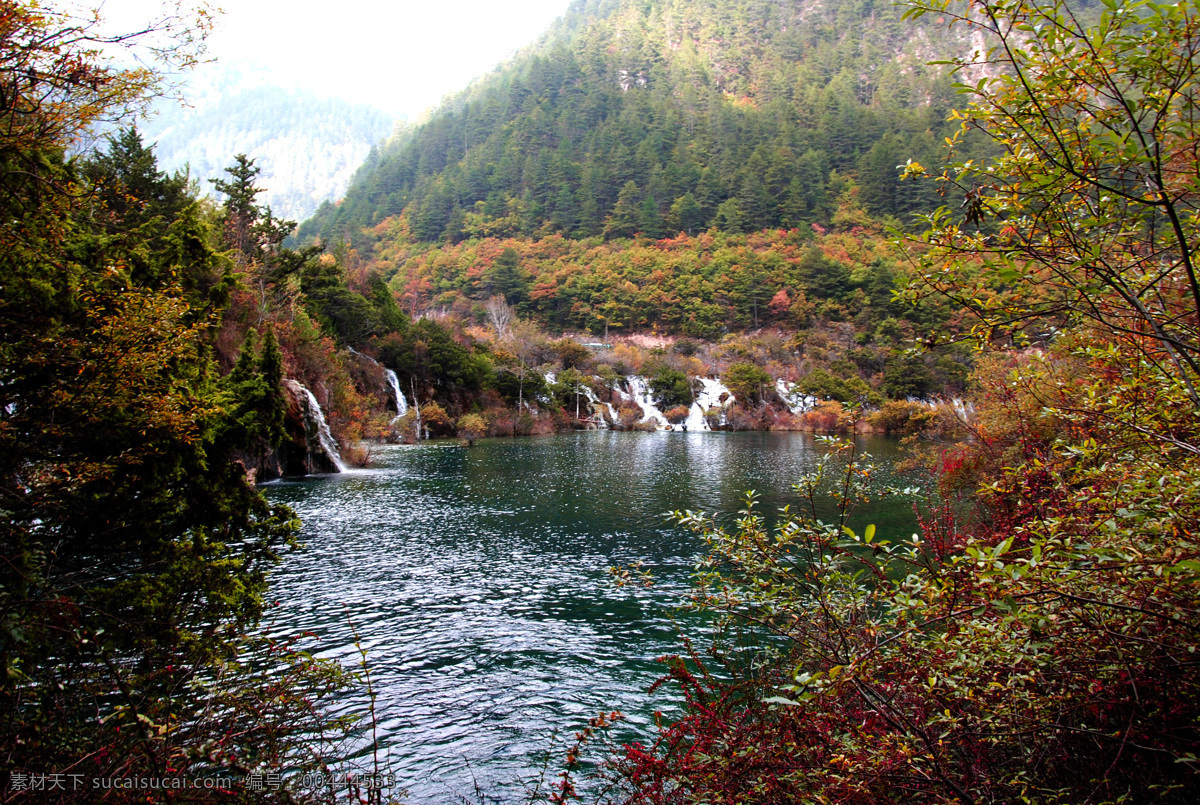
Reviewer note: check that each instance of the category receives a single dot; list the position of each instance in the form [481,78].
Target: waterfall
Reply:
[708,398]
[639,389]
[394,382]
[593,405]
[964,410]
[314,418]
[390,377]
[797,402]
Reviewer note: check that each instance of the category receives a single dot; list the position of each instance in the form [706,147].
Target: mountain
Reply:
[308,148]
[659,116]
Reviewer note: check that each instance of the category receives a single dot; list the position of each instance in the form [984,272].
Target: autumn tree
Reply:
[499,314]
[133,550]
[1039,648]
[1090,215]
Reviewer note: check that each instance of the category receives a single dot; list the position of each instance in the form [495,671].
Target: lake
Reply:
[477,582]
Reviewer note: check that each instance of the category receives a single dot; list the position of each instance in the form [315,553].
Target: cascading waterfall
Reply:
[394,382]
[639,391]
[593,403]
[796,401]
[964,410]
[390,377]
[314,419]
[708,398]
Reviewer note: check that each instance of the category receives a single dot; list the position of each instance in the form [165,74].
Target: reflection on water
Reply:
[476,580]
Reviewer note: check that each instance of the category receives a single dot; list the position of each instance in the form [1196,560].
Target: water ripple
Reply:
[476,582]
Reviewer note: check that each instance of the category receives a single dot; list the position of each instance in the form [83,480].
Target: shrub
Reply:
[671,388]
[1047,662]
[471,427]
[436,421]
[747,382]
[898,416]
[906,377]
[685,347]
[677,414]
[827,417]
[848,389]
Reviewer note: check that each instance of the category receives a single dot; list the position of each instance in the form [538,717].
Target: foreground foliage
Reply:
[1054,661]
[133,549]
[1039,645]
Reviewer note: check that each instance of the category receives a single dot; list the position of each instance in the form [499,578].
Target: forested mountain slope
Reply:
[660,116]
[307,147]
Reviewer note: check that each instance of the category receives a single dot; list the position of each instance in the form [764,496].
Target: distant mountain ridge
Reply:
[308,148]
[658,116]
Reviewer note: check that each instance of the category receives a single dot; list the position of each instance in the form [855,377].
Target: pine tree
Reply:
[685,215]
[623,222]
[650,220]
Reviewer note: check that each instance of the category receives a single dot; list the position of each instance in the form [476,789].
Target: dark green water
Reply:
[476,579]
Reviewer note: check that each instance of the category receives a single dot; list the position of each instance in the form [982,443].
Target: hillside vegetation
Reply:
[671,116]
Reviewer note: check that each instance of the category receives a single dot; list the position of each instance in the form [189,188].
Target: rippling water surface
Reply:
[476,580]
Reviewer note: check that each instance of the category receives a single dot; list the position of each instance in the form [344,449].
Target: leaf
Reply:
[781,700]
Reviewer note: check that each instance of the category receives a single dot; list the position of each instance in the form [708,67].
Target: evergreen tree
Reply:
[685,215]
[623,222]
[133,549]
[697,110]
[133,191]
[506,278]
[731,217]
[650,220]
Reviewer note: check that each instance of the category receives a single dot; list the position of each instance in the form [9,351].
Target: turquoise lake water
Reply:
[477,581]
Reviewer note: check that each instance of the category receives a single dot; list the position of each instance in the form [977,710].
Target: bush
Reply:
[436,421]
[685,347]
[629,415]
[472,427]
[677,414]
[739,418]
[572,354]
[1038,663]
[747,382]
[671,388]
[827,417]
[848,389]
[906,377]
[898,416]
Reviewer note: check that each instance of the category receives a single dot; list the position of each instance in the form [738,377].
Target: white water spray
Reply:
[639,391]
[316,417]
[707,399]
[796,401]
[964,410]
[393,382]
[593,408]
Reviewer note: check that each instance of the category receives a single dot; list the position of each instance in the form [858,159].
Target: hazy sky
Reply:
[402,56]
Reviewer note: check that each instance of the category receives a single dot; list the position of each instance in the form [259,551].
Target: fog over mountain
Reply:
[307,147]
